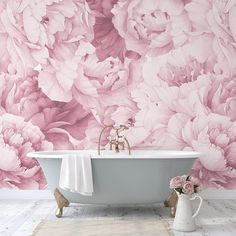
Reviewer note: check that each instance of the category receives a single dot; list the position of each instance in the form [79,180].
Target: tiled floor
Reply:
[19,218]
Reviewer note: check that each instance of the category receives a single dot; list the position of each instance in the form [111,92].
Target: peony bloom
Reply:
[162,109]
[221,98]
[22,97]
[154,26]
[214,135]
[62,68]
[52,79]
[21,52]
[179,118]
[17,139]
[63,124]
[180,65]
[32,29]
[87,77]
[216,18]
[101,82]
[107,40]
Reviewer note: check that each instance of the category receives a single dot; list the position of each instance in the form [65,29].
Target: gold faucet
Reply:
[119,140]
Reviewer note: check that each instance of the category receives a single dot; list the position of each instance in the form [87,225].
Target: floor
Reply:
[19,218]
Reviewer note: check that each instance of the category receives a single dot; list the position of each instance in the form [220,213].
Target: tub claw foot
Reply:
[171,202]
[59,212]
[61,202]
[172,211]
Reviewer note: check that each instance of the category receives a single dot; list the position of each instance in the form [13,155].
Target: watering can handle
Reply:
[199,206]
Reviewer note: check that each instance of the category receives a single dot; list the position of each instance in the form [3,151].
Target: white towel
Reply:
[76,174]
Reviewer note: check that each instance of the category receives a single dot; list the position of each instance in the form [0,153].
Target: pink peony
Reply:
[100,82]
[62,124]
[21,52]
[221,98]
[163,109]
[107,40]
[181,65]
[184,107]
[52,80]
[154,26]
[216,18]
[87,76]
[62,67]
[31,30]
[22,97]
[186,122]
[214,135]
[65,125]
[17,139]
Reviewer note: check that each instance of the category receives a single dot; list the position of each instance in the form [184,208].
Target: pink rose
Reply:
[177,182]
[17,139]
[188,187]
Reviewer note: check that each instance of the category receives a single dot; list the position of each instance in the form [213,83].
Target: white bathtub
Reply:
[119,178]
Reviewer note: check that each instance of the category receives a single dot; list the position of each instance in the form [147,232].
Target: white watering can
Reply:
[184,217]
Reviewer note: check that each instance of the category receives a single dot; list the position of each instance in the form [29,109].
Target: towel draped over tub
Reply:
[76,174]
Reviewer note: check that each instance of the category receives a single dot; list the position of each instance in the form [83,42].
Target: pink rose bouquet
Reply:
[185,184]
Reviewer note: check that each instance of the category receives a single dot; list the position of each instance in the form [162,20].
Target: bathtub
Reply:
[119,178]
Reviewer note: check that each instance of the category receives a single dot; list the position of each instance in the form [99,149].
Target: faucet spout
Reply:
[100,136]
[128,145]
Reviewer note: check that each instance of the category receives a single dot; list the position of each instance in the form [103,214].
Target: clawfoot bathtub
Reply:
[119,178]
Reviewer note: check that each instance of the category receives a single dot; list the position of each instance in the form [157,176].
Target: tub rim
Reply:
[107,154]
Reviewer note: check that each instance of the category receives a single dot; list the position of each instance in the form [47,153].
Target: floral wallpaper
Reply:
[165,67]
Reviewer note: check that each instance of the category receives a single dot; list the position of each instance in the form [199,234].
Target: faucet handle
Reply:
[121,138]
